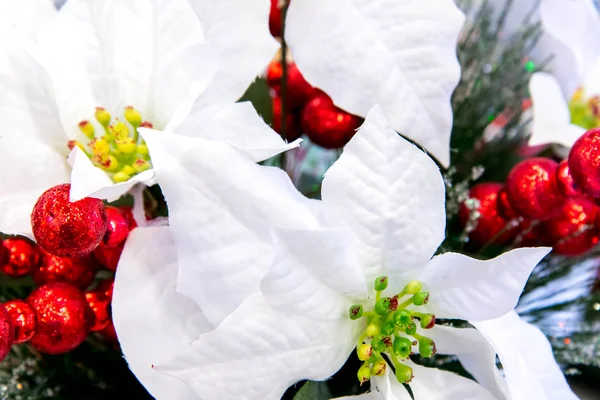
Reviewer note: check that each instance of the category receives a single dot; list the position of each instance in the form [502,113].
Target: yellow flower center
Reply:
[585,111]
[115,145]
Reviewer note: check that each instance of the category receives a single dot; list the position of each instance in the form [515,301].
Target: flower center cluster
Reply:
[392,330]
[115,145]
[585,112]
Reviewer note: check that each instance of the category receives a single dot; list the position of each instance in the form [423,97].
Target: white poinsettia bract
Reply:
[284,271]
[400,55]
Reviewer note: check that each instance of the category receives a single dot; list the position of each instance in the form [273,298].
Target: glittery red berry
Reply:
[21,256]
[67,229]
[490,226]
[584,162]
[298,90]
[109,257]
[117,228]
[565,181]
[61,312]
[78,271]
[572,231]
[6,332]
[23,320]
[533,190]
[327,125]
[99,307]
[292,125]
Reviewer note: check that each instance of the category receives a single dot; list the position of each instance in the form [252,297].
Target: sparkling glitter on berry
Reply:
[67,229]
[99,306]
[533,190]
[584,162]
[23,319]
[61,311]
[78,271]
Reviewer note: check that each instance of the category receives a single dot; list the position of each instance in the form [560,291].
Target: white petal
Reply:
[88,180]
[398,54]
[576,26]
[222,207]
[238,124]
[27,101]
[526,356]
[239,32]
[117,51]
[391,194]
[153,321]
[23,19]
[258,353]
[466,288]
[474,352]
[432,383]
[314,273]
[551,116]
[30,168]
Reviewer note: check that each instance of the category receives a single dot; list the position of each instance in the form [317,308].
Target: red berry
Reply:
[21,256]
[490,226]
[67,229]
[584,162]
[79,271]
[61,313]
[565,181]
[23,320]
[298,90]
[533,190]
[117,228]
[325,124]
[572,231]
[99,307]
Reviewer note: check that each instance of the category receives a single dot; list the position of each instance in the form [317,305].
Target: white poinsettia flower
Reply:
[382,214]
[400,55]
[98,70]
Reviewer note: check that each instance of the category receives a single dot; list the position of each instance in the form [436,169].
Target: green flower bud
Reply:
[364,351]
[382,307]
[381,283]
[378,368]
[404,373]
[402,347]
[381,343]
[102,116]
[420,298]
[402,318]
[426,347]
[133,116]
[413,287]
[411,328]
[427,321]
[372,330]
[356,311]
[388,327]
[364,374]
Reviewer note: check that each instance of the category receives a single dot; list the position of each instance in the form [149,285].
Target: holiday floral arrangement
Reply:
[306,199]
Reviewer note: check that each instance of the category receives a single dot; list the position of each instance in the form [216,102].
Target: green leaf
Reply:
[313,391]
[258,94]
